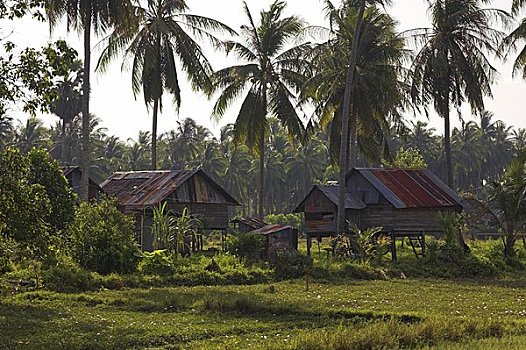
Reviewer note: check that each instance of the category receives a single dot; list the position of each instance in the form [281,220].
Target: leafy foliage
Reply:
[103,238]
[45,171]
[157,262]
[409,158]
[24,207]
[32,76]
[247,245]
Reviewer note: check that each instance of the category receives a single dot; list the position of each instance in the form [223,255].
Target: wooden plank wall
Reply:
[213,216]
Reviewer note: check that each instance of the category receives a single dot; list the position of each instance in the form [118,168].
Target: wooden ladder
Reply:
[418,244]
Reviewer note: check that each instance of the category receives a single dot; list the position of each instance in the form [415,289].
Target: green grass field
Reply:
[413,313]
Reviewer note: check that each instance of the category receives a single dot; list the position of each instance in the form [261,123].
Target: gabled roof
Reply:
[270,229]
[148,188]
[410,188]
[249,221]
[332,194]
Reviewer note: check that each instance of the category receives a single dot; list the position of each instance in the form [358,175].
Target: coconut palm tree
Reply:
[69,103]
[452,66]
[160,38]
[368,38]
[267,78]
[516,41]
[32,134]
[85,16]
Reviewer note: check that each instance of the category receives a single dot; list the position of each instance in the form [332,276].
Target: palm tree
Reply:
[160,35]
[356,82]
[85,16]
[268,77]
[452,65]
[69,103]
[510,44]
[32,134]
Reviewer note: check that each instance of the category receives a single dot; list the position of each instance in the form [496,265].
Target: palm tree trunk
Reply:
[85,164]
[353,138]
[447,146]
[63,149]
[154,134]
[340,224]
[261,192]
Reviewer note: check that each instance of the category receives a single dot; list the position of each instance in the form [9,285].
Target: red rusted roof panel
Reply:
[415,188]
[269,229]
[147,188]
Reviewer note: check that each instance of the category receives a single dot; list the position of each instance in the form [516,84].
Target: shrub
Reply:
[247,246]
[288,262]
[24,207]
[156,263]
[45,171]
[68,277]
[103,238]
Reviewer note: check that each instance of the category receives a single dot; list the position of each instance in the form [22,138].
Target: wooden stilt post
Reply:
[423,243]
[393,246]
[309,244]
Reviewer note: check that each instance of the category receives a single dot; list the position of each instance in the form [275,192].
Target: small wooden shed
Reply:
[139,191]
[73,174]
[404,202]
[277,233]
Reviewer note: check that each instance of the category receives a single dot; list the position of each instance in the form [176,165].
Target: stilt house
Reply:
[404,202]
[139,191]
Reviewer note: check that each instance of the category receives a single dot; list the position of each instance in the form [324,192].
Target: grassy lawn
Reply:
[430,314]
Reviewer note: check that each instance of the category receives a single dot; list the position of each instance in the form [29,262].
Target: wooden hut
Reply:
[247,224]
[277,233]
[404,202]
[73,174]
[139,191]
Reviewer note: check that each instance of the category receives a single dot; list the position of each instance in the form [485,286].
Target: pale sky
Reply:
[112,99]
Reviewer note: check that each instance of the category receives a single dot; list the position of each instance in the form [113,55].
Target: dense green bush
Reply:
[246,245]
[24,207]
[103,238]
[287,262]
[67,276]
[156,263]
[45,171]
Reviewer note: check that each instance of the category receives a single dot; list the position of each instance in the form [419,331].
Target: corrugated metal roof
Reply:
[269,229]
[332,193]
[411,188]
[148,188]
[252,222]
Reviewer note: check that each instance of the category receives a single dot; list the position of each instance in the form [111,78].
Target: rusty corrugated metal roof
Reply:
[249,221]
[411,188]
[141,189]
[269,229]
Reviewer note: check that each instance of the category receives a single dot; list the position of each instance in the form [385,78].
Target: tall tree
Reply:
[269,76]
[69,103]
[452,66]
[512,42]
[160,34]
[85,16]
[355,84]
